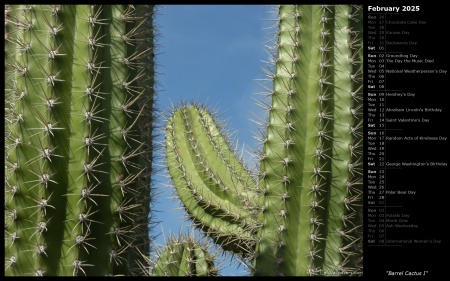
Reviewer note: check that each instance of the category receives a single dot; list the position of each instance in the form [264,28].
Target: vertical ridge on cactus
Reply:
[79,149]
[306,202]
[346,158]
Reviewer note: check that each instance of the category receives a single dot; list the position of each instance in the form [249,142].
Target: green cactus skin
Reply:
[79,145]
[307,214]
[185,256]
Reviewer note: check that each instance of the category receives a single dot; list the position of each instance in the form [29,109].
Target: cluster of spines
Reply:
[185,256]
[79,93]
[214,186]
[301,148]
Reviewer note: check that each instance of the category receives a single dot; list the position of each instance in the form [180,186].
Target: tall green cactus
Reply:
[300,214]
[79,124]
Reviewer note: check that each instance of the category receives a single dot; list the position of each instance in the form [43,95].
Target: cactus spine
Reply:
[79,132]
[301,213]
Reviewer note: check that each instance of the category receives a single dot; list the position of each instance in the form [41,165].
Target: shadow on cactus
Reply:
[79,130]
[300,213]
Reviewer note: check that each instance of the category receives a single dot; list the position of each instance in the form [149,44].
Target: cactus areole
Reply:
[300,213]
[79,118]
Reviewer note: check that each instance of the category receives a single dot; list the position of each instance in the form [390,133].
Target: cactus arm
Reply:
[213,185]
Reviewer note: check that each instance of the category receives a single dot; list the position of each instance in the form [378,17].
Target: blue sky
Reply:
[211,54]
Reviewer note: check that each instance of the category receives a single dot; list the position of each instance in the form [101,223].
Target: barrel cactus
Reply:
[300,213]
[79,125]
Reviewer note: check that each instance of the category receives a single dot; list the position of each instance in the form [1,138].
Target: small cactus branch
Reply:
[213,185]
[185,256]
